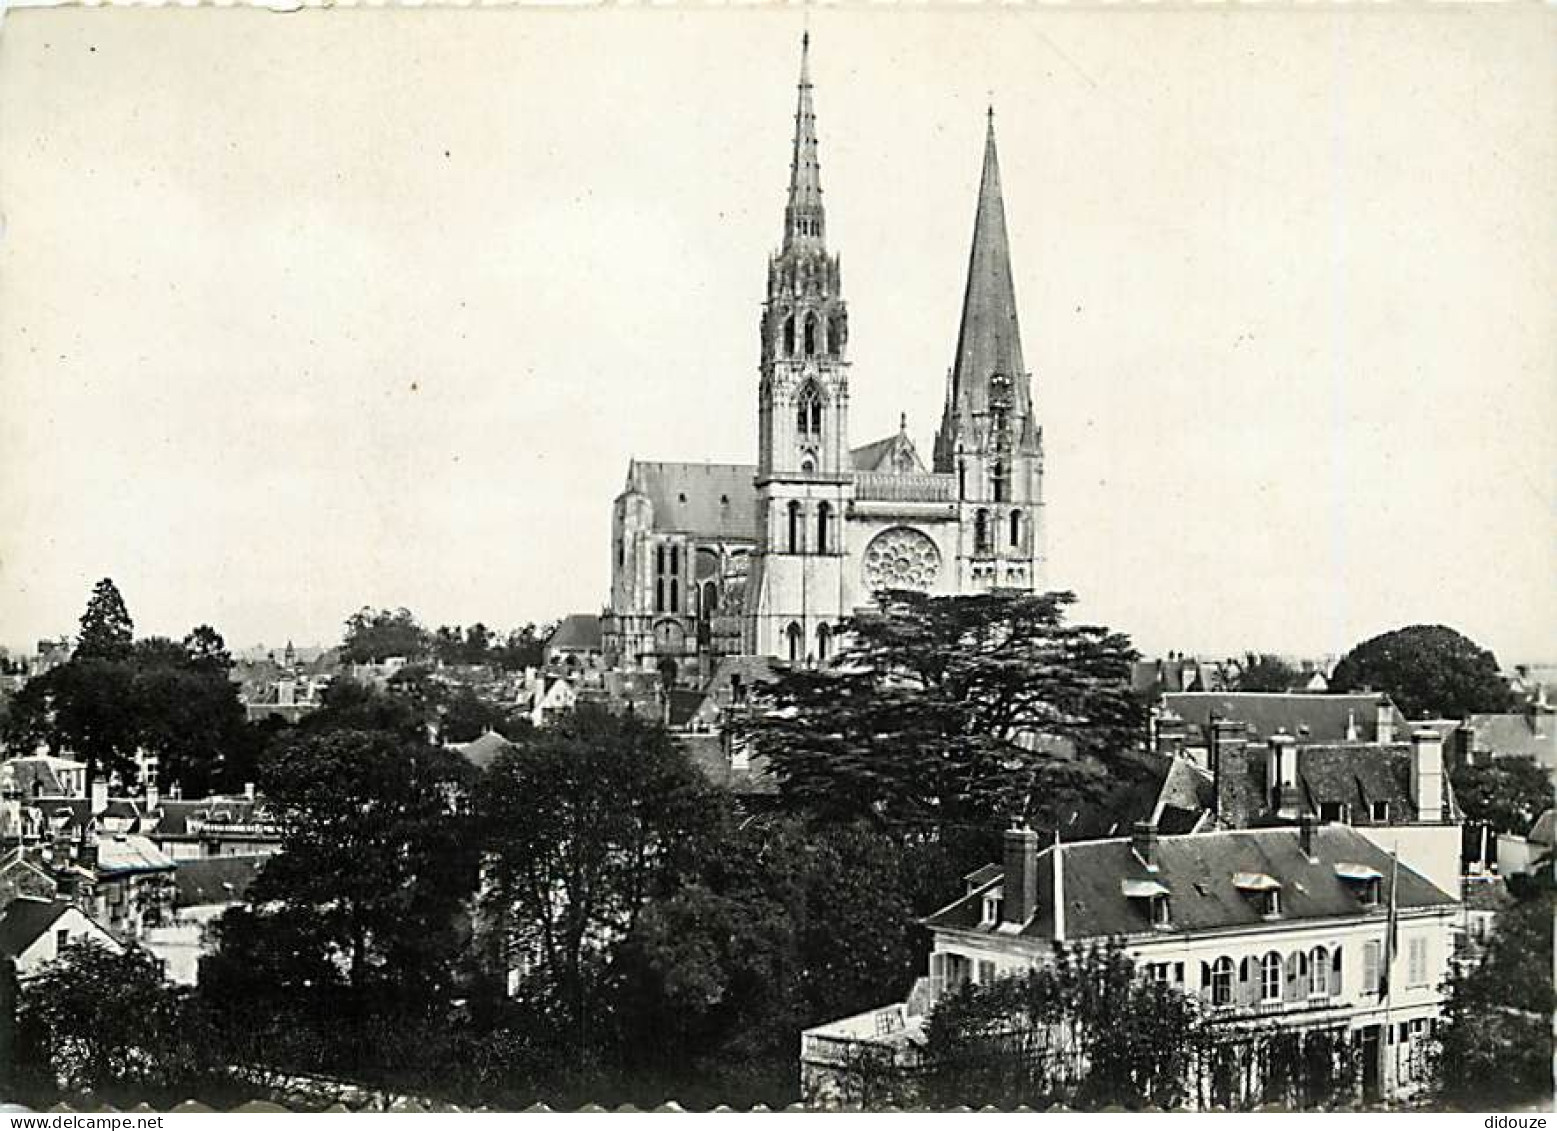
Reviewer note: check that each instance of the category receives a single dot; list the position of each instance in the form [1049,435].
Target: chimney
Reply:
[1020,888]
[1307,835]
[1143,840]
[248,790]
[1226,747]
[1281,775]
[99,793]
[1427,774]
[1384,727]
[153,791]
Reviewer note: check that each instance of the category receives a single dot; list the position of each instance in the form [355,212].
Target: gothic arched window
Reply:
[824,518]
[659,594]
[675,559]
[962,480]
[808,411]
[710,598]
[797,644]
[998,479]
[794,528]
[824,641]
[789,336]
[1016,528]
[837,333]
[811,335]
[659,559]
[981,532]
[674,594]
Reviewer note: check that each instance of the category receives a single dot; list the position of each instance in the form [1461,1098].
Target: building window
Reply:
[675,559]
[981,532]
[796,643]
[810,335]
[789,336]
[1416,962]
[824,518]
[710,598]
[962,480]
[794,527]
[659,559]
[1160,916]
[994,907]
[986,972]
[61,940]
[659,594]
[1161,972]
[808,411]
[1016,529]
[1270,977]
[1332,812]
[1318,972]
[1370,967]
[824,642]
[1379,811]
[674,597]
[621,552]
[998,481]
[1222,982]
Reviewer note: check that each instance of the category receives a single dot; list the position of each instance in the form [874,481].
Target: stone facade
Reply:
[768,559]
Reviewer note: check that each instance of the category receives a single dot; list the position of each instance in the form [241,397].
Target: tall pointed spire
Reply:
[803,217]
[988,340]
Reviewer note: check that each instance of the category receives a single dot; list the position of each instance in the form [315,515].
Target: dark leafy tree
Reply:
[523,648]
[106,628]
[1085,1030]
[1496,1040]
[87,707]
[585,824]
[375,635]
[378,856]
[1506,794]
[93,1020]
[1263,672]
[467,715]
[206,651]
[188,713]
[954,711]
[348,704]
[1428,670]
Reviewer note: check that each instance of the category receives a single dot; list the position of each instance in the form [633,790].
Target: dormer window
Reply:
[1264,891]
[1366,882]
[1379,811]
[1332,812]
[1153,900]
[993,909]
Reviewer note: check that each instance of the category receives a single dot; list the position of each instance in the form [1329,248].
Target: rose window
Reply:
[901,558]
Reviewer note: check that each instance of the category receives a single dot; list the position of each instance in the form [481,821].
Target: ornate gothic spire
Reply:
[804,222]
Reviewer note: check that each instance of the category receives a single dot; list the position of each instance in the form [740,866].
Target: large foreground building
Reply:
[768,558]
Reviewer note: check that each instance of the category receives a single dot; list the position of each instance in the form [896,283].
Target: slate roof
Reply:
[578,632]
[714,500]
[173,814]
[25,921]
[1533,735]
[1307,717]
[34,775]
[1198,871]
[877,455]
[214,879]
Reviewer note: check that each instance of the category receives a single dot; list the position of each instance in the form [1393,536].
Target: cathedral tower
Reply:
[804,471]
[988,437]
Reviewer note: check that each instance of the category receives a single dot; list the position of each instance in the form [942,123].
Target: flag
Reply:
[1392,927]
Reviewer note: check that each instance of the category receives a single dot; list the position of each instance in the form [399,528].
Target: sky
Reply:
[304,312]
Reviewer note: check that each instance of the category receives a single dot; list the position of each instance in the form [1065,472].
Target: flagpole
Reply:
[1391,931]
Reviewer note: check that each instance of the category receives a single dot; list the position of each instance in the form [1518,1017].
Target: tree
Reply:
[1507,794]
[467,715]
[375,635]
[1496,1039]
[377,856]
[524,648]
[1428,670]
[206,651]
[1084,1029]
[943,712]
[585,823]
[106,628]
[1263,672]
[94,1019]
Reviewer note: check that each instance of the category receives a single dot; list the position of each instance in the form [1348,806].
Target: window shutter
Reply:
[1295,988]
[1335,970]
[1205,975]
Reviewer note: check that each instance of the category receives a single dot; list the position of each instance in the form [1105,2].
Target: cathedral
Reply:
[712,560]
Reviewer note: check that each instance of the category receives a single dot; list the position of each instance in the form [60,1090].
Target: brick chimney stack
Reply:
[1281,775]
[1020,888]
[1384,726]
[1143,839]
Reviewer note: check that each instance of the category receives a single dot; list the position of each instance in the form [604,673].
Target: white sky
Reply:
[301,312]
